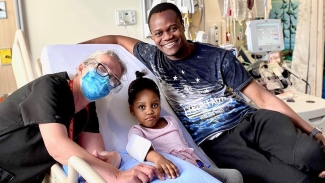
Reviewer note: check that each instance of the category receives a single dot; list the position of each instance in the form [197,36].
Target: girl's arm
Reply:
[162,164]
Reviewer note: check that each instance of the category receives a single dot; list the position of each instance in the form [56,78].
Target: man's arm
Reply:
[127,42]
[61,148]
[266,100]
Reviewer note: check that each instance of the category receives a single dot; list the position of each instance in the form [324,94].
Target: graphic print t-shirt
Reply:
[202,89]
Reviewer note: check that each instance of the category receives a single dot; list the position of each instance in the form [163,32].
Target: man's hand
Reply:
[141,173]
[167,167]
[319,136]
[112,158]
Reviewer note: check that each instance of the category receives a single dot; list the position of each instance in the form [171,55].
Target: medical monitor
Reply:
[264,36]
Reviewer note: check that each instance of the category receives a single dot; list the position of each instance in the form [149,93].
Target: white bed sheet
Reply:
[114,118]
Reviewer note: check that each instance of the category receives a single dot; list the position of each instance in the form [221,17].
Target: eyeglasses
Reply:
[112,78]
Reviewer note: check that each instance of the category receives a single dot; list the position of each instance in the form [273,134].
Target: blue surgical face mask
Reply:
[93,86]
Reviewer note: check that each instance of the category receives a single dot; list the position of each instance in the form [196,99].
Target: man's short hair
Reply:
[163,7]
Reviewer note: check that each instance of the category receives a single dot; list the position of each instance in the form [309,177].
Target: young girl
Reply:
[165,133]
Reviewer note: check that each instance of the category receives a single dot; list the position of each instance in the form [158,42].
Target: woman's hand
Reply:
[112,158]
[141,173]
[166,166]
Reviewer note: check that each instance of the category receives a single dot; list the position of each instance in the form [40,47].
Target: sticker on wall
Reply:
[5,56]
[3,11]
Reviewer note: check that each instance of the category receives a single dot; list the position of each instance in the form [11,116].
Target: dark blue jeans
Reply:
[266,147]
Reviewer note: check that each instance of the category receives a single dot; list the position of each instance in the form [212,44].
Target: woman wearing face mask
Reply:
[54,117]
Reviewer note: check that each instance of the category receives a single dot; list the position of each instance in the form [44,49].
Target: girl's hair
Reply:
[140,84]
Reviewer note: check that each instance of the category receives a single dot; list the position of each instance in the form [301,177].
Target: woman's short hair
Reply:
[93,57]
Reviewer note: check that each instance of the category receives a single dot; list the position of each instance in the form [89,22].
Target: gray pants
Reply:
[225,175]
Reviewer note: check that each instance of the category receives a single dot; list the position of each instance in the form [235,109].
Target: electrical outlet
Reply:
[126,17]
[5,56]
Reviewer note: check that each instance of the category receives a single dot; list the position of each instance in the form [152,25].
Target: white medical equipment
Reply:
[308,107]
[258,9]
[240,14]
[233,11]
[240,10]
[264,37]
[185,6]
[232,48]
[202,37]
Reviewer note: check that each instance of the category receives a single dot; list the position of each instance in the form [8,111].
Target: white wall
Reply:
[71,21]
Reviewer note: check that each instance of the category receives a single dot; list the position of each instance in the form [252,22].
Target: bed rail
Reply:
[76,167]
[21,62]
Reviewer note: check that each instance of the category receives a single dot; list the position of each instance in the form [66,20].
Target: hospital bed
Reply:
[114,118]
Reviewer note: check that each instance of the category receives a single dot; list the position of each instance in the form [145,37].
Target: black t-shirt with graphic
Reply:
[203,89]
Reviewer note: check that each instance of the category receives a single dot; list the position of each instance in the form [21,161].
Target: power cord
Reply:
[303,81]
[290,72]
[127,32]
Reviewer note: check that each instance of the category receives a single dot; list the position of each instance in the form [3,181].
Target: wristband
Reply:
[315,131]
